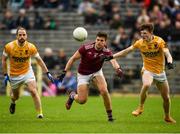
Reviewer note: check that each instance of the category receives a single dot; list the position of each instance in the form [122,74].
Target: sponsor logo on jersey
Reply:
[151,54]
[20,59]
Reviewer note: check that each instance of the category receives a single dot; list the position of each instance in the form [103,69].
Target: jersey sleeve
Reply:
[6,50]
[162,43]
[82,50]
[109,52]
[136,44]
[33,50]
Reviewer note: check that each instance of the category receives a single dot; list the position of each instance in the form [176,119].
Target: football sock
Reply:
[39,111]
[109,113]
[72,95]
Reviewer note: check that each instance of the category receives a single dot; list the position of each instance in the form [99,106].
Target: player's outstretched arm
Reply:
[69,64]
[44,68]
[123,52]
[169,58]
[117,68]
[4,67]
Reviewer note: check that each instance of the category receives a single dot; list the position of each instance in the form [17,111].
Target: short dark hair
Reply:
[102,34]
[20,28]
[147,26]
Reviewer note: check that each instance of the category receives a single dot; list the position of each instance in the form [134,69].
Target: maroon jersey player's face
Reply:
[100,42]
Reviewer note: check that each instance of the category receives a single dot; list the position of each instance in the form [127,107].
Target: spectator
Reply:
[49,58]
[51,3]
[8,22]
[121,40]
[16,4]
[143,17]
[22,19]
[38,3]
[61,59]
[38,21]
[50,23]
[129,19]
[116,22]
[86,9]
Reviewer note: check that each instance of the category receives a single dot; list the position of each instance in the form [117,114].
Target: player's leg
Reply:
[80,97]
[36,98]
[164,89]
[14,96]
[100,81]
[82,91]
[147,80]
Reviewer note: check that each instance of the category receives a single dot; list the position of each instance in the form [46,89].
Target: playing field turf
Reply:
[90,118]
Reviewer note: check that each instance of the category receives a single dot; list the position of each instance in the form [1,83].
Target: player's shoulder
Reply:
[88,45]
[158,39]
[31,45]
[106,49]
[10,44]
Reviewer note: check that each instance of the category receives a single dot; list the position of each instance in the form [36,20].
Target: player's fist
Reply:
[6,79]
[61,76]
[119,72]
[50,77]
[170,66]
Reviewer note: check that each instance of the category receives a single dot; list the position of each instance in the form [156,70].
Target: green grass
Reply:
[90,118]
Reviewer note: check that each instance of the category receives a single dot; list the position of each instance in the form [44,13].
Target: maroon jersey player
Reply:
[90,67]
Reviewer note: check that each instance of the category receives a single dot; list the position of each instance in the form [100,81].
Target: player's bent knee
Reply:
[146,86]
[34,93]
[16,97]
[103,92]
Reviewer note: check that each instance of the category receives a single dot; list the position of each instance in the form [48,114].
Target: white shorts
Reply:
[84,79]
[158,77]
[17,81]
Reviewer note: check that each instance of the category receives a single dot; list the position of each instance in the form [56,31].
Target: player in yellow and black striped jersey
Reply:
[153,51]
[19,53]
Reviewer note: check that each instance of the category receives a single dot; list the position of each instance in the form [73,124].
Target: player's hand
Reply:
[170,65]
[50,77]
[61,76]
[119,72]
[106,58]
[6,79]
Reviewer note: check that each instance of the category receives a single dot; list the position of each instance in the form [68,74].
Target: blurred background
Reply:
[50,24]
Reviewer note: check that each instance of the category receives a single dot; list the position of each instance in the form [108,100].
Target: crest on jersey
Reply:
[155,46]
[26,51]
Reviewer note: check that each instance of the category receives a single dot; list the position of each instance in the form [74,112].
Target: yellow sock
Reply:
[39,111]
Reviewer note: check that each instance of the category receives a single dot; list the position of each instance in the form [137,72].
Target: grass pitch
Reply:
[88,118]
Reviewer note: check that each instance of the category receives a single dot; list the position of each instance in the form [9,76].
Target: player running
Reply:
[153,50]
[19,53]
[90,67]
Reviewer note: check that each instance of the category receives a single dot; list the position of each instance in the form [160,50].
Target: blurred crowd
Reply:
[121,16]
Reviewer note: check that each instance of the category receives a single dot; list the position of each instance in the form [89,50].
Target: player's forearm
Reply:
[4,65]
[169,58]
[114,64]
[69,64]
[42,65]
[168,55]
[121,53]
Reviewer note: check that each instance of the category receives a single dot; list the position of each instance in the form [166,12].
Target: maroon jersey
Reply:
[90,58]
